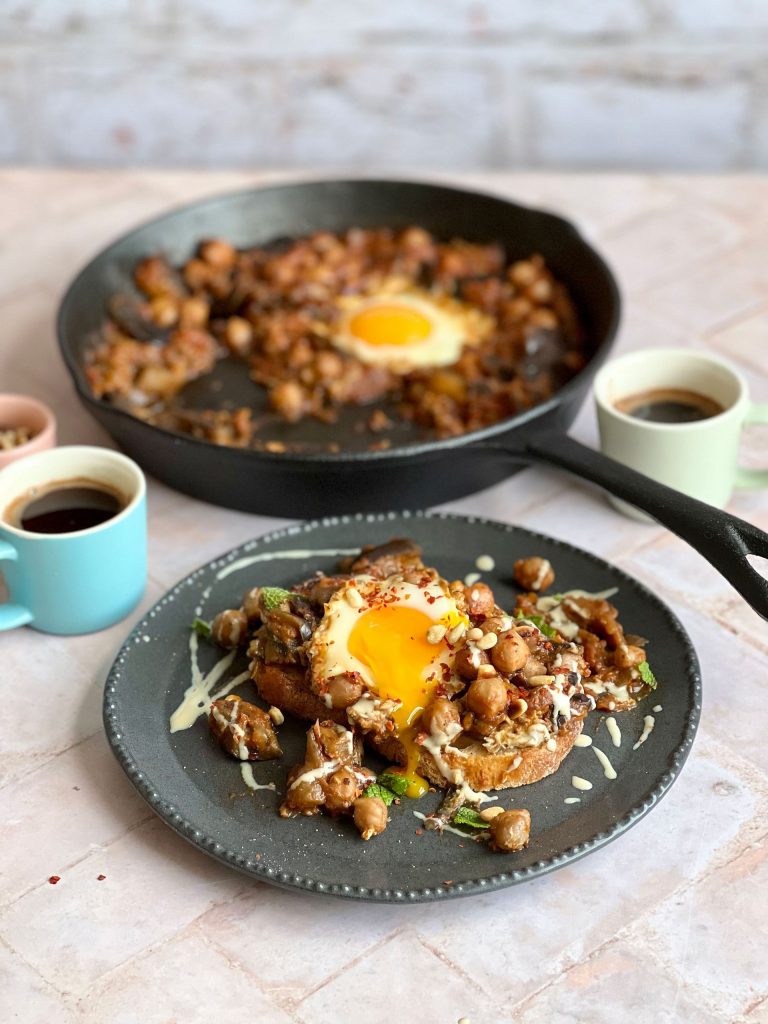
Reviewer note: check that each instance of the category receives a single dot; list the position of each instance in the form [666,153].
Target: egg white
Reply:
[329,655]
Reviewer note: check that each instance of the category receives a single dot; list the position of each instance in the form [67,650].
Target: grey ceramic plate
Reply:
[200,792]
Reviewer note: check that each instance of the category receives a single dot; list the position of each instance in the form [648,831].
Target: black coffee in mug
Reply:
[65,506]
[669,405]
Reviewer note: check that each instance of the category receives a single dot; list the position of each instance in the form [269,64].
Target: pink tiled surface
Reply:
[668,924]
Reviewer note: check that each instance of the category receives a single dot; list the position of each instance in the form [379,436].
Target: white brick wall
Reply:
[385,84]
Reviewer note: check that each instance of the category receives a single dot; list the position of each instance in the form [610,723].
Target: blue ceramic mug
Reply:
[75,582]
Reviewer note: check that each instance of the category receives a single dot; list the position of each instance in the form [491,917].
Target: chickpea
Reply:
[468,662]
[289,399]
[197,274]
[543,318]
[480,599]
[194,312]
[497,624]
[541,290]
[440,716]
[341,789]
[371,816]
[487,697]
[329,365]
[534,573]
[218,253]
[238,335]
[510,653]
[523,273]
[164,310]
[510,831]
[344,690]
[230,628]
[519,308]
[251,605]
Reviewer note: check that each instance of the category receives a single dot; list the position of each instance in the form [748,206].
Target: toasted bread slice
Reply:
[483,770]
[285,687]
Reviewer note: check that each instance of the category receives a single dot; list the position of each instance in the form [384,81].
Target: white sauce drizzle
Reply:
[269,556]
[657,708]
[648,723]
[246,770]
[561,704]
[199,696]
[613,731]
[471,579]
[315,773]
[434,744]
[485,563]
[543,570]
[578,783]
[231,723]
[608,770]
[572,800]
[446,828]
[582,741]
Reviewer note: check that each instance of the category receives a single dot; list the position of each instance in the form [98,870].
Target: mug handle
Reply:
[12,615]
[753,478]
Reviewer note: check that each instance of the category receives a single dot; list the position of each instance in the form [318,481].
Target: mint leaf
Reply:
[647,675]
[375,790]
[469,818]
[394,781]
[201,627]
[539,623]
[271,597]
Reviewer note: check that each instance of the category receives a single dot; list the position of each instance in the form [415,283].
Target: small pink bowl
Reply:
[23,411]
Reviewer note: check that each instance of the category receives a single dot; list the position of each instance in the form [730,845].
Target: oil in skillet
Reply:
[71,506]
[669,405]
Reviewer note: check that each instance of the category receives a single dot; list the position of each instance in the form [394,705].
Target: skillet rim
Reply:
[395,453]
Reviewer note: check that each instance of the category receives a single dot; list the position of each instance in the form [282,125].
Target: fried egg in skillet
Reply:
[407,330]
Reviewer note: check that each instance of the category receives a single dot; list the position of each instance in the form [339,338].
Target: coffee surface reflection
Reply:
[65,506]
[669,405]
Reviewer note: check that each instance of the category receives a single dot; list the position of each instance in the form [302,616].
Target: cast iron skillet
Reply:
[415,471]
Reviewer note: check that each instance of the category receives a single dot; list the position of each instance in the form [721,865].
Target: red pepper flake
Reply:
[54,879]
[419,832]
[100,878]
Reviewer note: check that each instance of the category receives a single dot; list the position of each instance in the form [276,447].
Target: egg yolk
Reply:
[392,642]
[390,325]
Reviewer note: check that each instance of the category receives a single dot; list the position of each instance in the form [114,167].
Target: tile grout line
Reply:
[140,954]
[625,932]
[396,933]
[4,907]
[245,970]
[456,968]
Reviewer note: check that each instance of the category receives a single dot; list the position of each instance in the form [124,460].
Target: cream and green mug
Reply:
[698,458]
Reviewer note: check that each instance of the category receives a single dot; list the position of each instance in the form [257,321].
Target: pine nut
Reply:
[486,642]
[435,634]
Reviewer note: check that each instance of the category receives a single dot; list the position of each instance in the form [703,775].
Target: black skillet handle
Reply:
[723,539]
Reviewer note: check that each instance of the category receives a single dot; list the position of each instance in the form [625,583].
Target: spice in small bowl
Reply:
[26,426]
[12,437]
